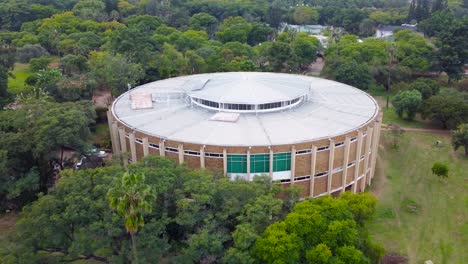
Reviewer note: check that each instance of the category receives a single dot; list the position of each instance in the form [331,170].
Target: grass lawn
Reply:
[391,117]
[419,215]
[21,72]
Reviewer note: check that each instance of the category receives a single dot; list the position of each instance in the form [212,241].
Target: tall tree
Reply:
[407,102]
[460,138]
[3,86]
[132,198]
[90,9]
[305,48]
[449,108]
[324,230]
[305,15]
[452,53]
[115,72]
[426,87]
[412,11]
[204,21]
[438,22]
[439,5]
[413,51]
[419,10]
[234,29]
[350,72]
[7,59]
[33,136]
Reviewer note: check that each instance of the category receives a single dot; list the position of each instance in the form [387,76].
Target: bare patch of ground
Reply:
[315,68]
[102,97]
[442,132]
[7,223]
[394,258]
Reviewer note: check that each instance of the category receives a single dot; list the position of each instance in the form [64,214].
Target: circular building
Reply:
[318,134]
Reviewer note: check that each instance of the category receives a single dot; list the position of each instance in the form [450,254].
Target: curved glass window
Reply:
[265,107]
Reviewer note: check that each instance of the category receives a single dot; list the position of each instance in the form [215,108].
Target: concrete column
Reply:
[373,156]
[145,147]
[378,144]
[370,158]
[293,164]
[357,161]
[331,156]
[225,161]
[115,138]
[123,145]
[248,164]
[133,147]
[110,118]
[181,153]
[162,148]
[375,147]
[366,156]
[202,157]
[271,163]
[313,163]
[345,163]
[110,122]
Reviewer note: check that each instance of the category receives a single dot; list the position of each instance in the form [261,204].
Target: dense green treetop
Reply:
[305,15]
[323,230]
[196,216]
[426,87]
[407,103]
[75,47]
[449,108]
[30,137]
[413,51]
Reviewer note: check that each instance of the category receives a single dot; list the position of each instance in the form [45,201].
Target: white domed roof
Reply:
[269,109]
[250,87]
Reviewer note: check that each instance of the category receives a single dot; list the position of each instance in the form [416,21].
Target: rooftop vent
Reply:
[141,101]
[225,117]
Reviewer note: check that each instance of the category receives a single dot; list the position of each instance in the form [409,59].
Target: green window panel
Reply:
[236,163]
[282,161]
[259,163]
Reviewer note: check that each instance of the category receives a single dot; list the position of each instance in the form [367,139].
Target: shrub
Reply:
[440,169]
[407,102]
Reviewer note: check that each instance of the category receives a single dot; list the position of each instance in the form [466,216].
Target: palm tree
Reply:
[131,198]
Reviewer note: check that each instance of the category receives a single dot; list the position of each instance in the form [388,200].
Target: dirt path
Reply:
[315,68]
[414,129]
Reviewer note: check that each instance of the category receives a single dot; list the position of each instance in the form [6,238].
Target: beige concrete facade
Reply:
[318,167]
